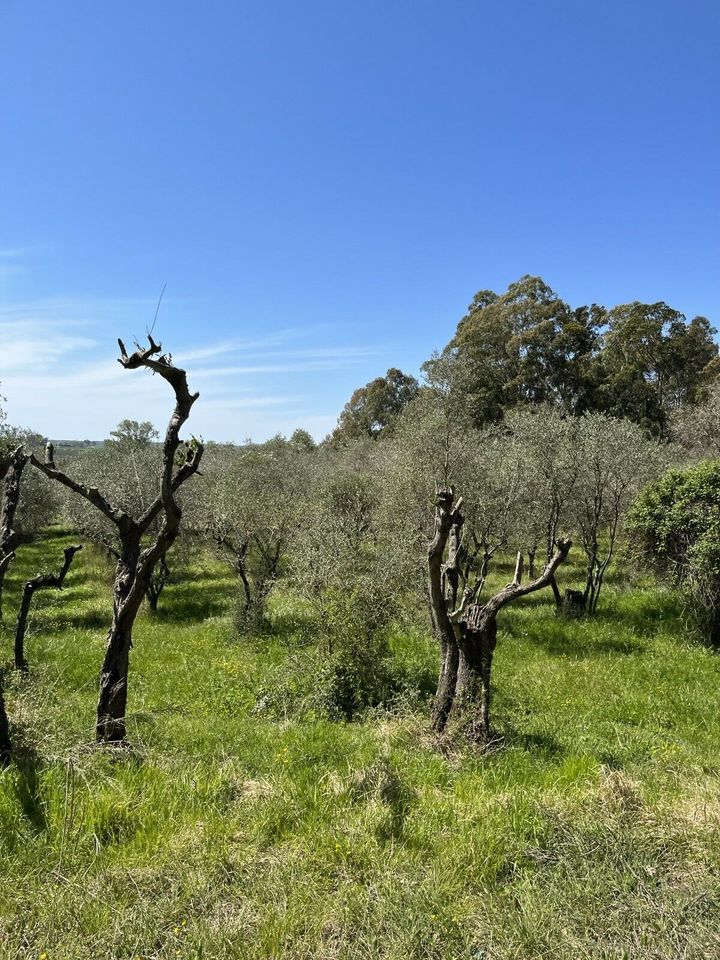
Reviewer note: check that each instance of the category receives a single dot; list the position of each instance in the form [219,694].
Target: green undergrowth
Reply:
[249,823]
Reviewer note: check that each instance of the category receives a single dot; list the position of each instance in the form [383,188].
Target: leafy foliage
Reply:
[676,526]
[373,408]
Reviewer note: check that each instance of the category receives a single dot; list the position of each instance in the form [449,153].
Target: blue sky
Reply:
[323,186]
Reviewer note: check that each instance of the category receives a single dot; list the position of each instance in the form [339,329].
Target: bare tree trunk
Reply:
[41,582]
[11,500]
[446,517]
[112,699]
[470,714]
[236,553]
[446,685]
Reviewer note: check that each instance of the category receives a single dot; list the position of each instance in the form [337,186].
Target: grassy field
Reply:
[231,831]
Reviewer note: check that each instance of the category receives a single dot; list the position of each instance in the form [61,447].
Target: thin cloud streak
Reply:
[56,348]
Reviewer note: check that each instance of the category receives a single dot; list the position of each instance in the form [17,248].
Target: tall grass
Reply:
[232,832]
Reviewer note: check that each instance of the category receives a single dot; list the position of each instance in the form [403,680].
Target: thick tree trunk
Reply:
[447,517]
[470,714]
[112,701]
[447,681]
[128,589]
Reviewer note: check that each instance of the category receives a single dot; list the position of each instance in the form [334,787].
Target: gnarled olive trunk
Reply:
[470,714]
[447,519]
[112,699]
[447,680]
[127,594]
[476,632]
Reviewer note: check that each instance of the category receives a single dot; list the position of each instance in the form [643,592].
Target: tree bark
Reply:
[446,517]
[470,714]
[112,699]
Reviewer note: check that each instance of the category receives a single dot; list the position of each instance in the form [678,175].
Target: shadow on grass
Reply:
[192,606]
[542,746]
[27,783]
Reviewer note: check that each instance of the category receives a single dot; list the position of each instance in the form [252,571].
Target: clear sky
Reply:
[323,186]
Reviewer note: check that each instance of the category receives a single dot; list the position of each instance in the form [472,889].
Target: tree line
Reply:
[637,361]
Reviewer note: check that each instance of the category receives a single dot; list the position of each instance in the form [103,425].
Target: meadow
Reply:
[230,830]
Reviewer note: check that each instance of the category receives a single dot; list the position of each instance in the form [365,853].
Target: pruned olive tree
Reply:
[140,549]
[434,447]
[469,630]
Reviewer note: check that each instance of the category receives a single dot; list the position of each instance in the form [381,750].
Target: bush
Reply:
[675,528]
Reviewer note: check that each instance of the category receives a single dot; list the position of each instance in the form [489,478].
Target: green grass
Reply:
[229,833]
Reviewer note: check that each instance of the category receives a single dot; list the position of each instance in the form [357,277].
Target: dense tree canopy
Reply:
[372,408]
[637,361]
[654,362]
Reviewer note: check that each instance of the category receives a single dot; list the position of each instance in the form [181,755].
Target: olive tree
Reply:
[462,703]
[248,503]
[341,569]
[548,454]
[140,549]
[435,447]
[616,459]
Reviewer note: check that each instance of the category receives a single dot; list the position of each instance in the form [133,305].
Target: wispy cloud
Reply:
[57,373]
